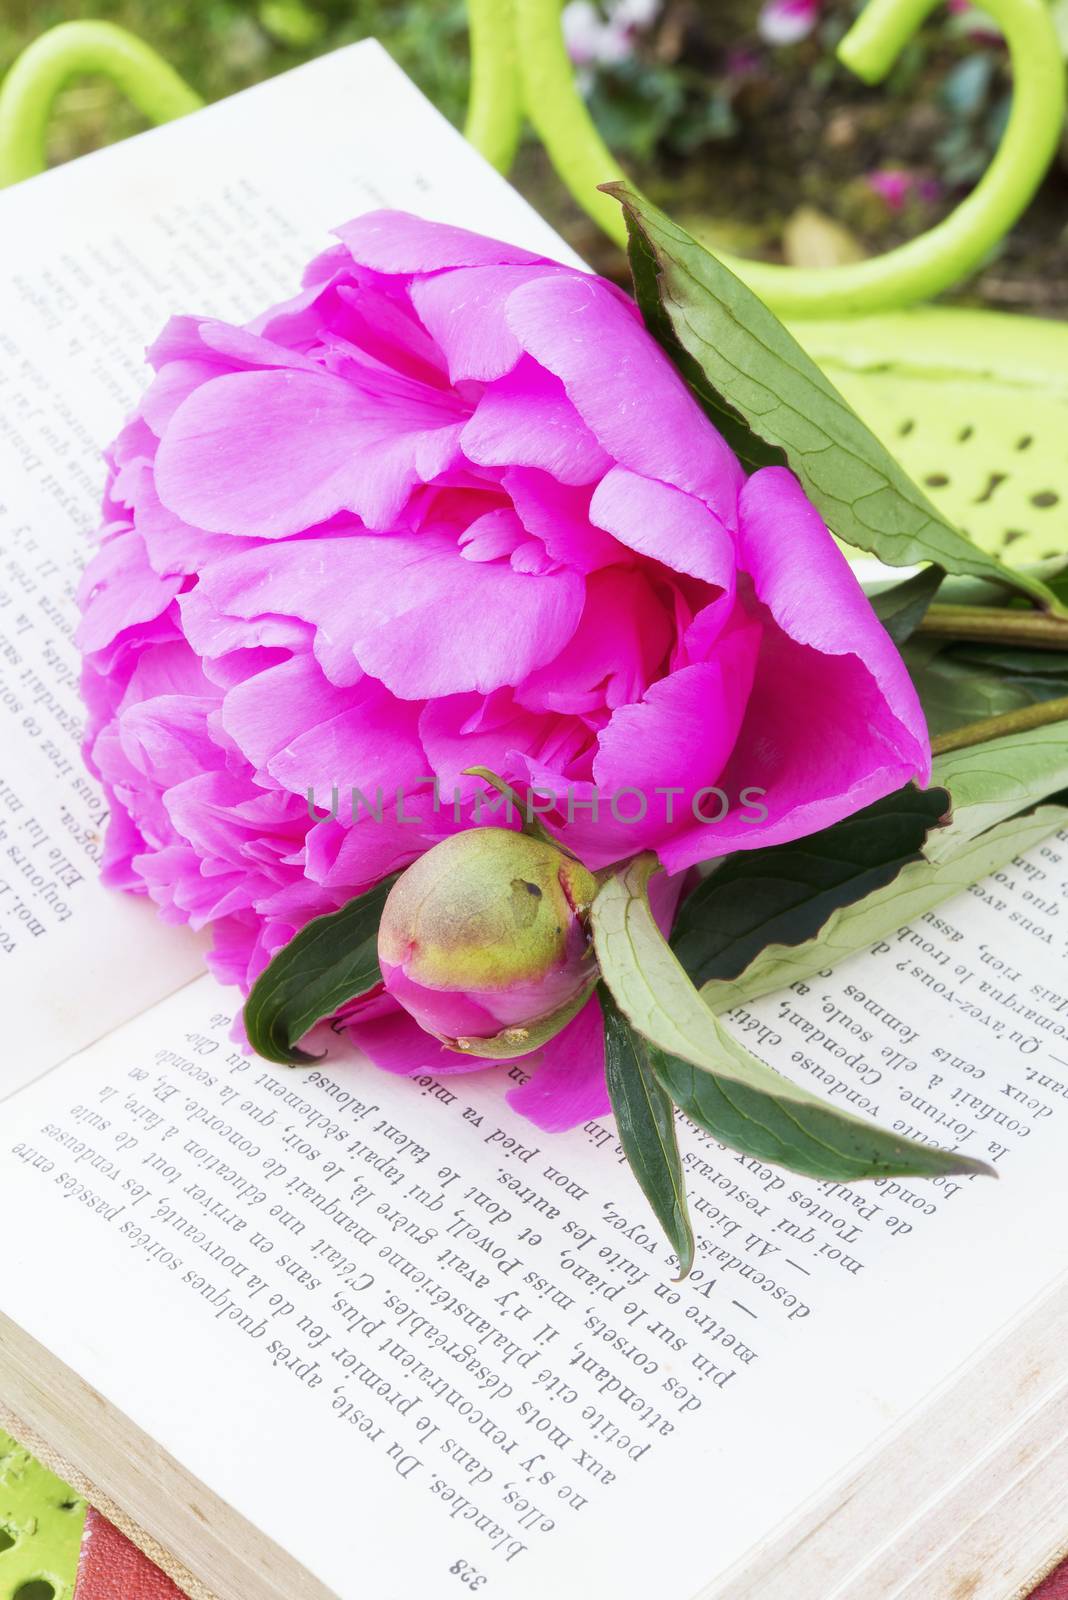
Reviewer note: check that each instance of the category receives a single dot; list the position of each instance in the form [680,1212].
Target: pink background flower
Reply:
[788,21]
[451,505]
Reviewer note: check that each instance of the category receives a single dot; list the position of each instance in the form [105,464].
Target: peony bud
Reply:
[487,934]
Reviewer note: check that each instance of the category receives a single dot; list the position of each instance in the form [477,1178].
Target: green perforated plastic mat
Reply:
[975,406]
[40,1529]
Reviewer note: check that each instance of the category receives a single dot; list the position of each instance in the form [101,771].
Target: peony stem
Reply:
[1038,716]
[530,824]
[996,625]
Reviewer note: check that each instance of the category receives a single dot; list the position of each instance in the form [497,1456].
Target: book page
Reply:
[356,1305]
[217,214]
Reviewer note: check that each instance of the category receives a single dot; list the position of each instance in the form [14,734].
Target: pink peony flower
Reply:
[451,505]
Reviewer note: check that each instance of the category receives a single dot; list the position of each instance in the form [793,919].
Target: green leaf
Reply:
[332,960]
[901,607]
[749,447]
[784,894]
[1014,660]
[992,782]
[955,690]
[1053,572]
[645,1120]
[772,1114]
[813,1139]
[917,888]
[775,398]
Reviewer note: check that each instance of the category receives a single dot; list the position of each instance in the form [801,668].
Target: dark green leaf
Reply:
[785,893]
[955,690]
[812,1139]
[646,1123]
[332,960]
[750,449]
[901,607]
[1003,658]
[777,398]
[772,1113]
[919,887]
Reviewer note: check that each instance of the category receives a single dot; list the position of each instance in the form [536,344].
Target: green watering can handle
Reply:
[531,70]
[68,51]
[520,63]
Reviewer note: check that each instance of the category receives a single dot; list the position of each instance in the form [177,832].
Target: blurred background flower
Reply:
[732,113]
[788,21]
[600,35]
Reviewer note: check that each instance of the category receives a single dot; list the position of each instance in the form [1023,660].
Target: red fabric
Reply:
[113,1569]
[1055,1587]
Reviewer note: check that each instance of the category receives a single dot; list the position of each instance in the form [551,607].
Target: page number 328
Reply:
[467,1574]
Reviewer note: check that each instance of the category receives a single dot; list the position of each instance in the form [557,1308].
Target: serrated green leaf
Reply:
[777,398]
[784,894]
[918,888]
[657,998]
[645,1120]
[332,960]
[901,607]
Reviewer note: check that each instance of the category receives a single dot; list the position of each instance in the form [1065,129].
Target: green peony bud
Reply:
[486,938]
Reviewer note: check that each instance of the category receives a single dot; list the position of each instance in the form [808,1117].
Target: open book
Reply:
[332,1333]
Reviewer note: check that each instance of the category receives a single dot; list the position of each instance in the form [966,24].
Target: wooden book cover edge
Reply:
[199,1541]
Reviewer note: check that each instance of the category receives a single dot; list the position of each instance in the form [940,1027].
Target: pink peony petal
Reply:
[372,748]
[390,606]
[119,590]
[267,712]
[558,515]
[396,1043]
[525,419]
[464,311]
[655,758]
[270,453]
[621,640]
[567,1084]
[662,522]
[396,241]
[624,388]
[833,722]
[812,592]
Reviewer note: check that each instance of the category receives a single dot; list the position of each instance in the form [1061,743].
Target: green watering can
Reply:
[974,403]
